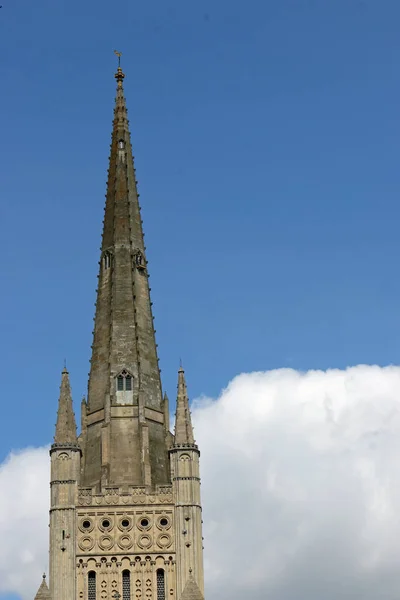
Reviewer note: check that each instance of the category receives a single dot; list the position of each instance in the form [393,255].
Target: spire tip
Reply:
[119,75]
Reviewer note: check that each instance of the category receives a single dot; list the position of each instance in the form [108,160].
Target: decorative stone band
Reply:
[62,481]
[186,478]
[194,446]
[56,446]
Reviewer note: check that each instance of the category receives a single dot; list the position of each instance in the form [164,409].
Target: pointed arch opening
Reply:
[160,584]
[124,387]
[92,585]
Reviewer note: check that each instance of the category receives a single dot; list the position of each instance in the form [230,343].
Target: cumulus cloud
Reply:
[300,485]
[24,500]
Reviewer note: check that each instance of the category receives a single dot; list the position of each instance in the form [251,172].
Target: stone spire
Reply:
[43,592]
[123,332]
[191,591]
[66,425]
[124,363]
[183,421]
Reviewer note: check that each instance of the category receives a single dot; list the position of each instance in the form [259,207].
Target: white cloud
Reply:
[301,490]
[301,485]
[24,500]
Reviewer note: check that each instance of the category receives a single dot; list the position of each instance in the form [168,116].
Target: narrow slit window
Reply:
[128,383]
[160,584]
[107,260]
[121,144]
[126,585]
[91,585]
[120,383]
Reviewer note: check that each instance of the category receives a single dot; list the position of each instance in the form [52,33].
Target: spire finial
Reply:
[119,54]
[119,76]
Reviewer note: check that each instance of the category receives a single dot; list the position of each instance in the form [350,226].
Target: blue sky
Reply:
[266,137]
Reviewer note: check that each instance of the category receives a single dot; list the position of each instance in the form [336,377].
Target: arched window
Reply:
[160,584]
[124,382]
[121,144]
[126,585]
[91,585]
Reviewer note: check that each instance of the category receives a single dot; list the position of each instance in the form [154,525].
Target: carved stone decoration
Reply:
[125,542]
[138,589]
[139,261]
[164,540]
[86,543]
[145,541]
[106,542]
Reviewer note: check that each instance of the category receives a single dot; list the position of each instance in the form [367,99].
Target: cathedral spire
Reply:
[124,365]
[66,425]
[183,422]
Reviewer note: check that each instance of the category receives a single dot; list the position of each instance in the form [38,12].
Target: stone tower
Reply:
[125,516]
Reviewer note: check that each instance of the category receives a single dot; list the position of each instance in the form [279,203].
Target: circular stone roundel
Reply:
[86,525]
[164,540]
[144,541]
[125,542]
[106,542]
[86,543]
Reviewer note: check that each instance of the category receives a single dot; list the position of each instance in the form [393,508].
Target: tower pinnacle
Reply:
[66,425]
[183,420]
[43,592]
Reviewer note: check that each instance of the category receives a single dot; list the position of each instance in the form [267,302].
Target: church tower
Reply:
[125,515]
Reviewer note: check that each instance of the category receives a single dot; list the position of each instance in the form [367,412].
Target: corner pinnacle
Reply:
[183,421]
[66,425]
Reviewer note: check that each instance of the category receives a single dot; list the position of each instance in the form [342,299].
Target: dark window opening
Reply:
[126,585]
[124,382]
[163,522]
[106,523]
[144,522]
[160,584]
[91,585]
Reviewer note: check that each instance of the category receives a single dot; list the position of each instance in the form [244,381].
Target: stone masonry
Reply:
[125,514]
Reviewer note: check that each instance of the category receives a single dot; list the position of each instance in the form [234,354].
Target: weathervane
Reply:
[119,54]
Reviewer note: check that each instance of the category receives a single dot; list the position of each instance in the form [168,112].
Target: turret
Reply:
[43,592]
[186,487]
[65,469]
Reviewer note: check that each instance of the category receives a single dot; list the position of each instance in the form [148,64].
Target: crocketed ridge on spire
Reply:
[66,425]
[43,592]
[183,420]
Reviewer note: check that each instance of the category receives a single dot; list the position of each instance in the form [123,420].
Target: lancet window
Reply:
[126,585]
[160,584]
[91,585]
